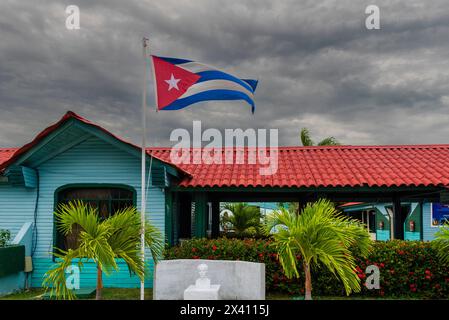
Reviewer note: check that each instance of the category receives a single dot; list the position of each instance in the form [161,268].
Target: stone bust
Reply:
[202,282]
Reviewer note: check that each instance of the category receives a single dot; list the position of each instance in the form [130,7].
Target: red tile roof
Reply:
[338,166]
[6,154]
[12,154]
[350,204]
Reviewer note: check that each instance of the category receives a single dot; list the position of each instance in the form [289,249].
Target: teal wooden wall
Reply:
[428,230]
[382,215]
[382,235]
[415,215]
[16,207]
[90,162]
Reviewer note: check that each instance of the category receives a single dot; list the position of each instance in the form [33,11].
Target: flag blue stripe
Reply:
[174,60]
[209,96]
[219,75]
[252,83]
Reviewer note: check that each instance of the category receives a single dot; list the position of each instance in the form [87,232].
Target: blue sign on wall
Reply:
[440,214]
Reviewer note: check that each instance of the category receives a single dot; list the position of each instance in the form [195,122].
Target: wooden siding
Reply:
[16,207]
[90,162]
[382,215]
[428,230]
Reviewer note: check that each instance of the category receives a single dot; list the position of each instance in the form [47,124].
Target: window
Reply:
[439,214]
[107,200]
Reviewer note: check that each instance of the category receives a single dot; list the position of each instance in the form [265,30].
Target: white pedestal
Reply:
[193,293]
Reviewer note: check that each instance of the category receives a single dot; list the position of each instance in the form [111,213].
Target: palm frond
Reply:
[330,141]
[76,212]
[55,278]
[245,219]
[322,237]
[118,236]
[306,140]
[441,243]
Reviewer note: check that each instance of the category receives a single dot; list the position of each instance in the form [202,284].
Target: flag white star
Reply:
[172,83]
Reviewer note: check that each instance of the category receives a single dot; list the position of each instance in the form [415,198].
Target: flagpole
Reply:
[143,180]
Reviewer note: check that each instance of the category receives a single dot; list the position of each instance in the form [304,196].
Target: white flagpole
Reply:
[143,180]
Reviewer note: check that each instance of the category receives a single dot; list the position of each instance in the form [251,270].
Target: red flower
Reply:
[195,257]
[427,271]
[382,265]
[214,247]
[194,249]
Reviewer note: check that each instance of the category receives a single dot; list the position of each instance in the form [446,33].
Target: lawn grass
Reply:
[108,294]
[31,294]
[134,294]
[281,296]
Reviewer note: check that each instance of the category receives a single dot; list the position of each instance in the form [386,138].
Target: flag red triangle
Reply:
[171,81]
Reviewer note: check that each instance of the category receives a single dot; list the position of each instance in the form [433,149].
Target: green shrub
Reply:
[5,236]
[407,268]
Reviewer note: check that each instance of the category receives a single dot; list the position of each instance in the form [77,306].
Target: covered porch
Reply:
[195,212]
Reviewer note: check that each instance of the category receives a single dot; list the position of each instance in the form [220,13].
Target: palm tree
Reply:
[101,241]
[307,140]
[441,243]
[245,219]
[321,236]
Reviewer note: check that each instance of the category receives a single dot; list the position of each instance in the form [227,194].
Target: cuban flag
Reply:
[180,83]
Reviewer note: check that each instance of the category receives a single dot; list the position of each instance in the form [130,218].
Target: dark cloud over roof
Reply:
[317,64]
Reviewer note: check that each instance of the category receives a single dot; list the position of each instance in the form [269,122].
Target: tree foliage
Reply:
[245,219]
[322,237]
[307,141]
[101,241]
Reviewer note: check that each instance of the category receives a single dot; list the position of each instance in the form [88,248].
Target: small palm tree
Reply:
[307,140]
[101,241]
[441,243]
[245,219]
[321,236]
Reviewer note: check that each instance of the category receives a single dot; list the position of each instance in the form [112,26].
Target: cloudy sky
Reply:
[317,65]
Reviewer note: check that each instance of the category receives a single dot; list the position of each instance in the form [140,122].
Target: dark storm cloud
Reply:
[317,64]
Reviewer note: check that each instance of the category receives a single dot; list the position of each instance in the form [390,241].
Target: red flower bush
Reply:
[406,267]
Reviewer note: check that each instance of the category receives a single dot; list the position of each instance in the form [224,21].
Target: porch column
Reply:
[170,218]
[398,221]
[201,212]
[185,213]
[215,219]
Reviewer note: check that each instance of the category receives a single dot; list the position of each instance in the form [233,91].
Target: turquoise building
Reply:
[77,159]
[419,223]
